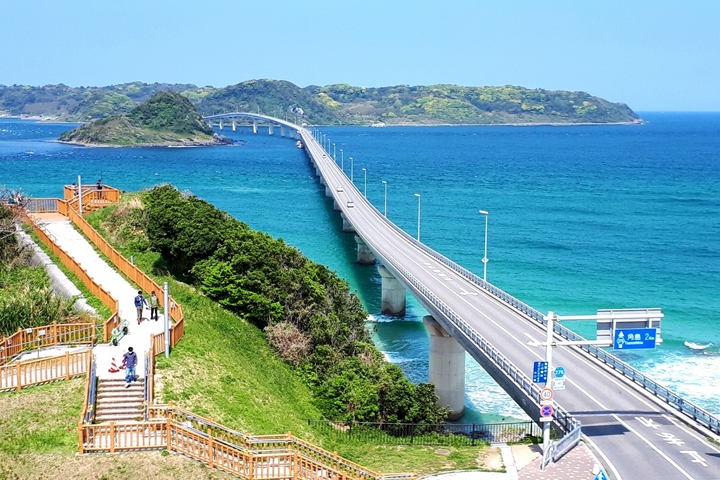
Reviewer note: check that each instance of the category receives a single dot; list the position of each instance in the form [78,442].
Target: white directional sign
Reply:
[558,384]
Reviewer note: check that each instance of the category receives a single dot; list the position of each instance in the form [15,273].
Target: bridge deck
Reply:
[635,434]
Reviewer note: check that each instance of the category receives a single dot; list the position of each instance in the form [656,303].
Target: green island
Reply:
[272,340]
[166,119]
[339,104]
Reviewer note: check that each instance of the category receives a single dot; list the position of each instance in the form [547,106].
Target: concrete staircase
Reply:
[115,403]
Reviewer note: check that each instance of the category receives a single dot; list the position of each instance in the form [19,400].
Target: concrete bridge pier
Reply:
[234,125]
[365,256]
[393,293]
[447,368]
[254,126]
[282,130]
[322,179]
[221,124]
[347,226]
[270,129]
[328,191]
[336,206]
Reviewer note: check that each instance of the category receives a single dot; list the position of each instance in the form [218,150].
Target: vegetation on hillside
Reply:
[308,313]
[167,118]
[331,104]
[26,299]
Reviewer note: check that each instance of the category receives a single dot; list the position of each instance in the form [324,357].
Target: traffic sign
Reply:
[558,384]
[546,411]
[601,475]
[634,338]
[546,394]
[559,372]
[540,372]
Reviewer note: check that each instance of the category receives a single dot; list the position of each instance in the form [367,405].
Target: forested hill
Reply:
[331,104]
[168,118]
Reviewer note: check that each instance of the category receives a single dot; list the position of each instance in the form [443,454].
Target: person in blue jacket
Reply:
[130,361]
[139,303]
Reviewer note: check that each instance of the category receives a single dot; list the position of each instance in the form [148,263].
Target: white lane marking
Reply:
[648,422]
[696,457]
[659,452]
[604,457]
[682,427]
[533,352]
[465,292]
[442,274]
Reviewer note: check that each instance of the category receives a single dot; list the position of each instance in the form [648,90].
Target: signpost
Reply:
[540,372]
[601,475]
[622,339]
[546,395]
[634,338]
[546,412]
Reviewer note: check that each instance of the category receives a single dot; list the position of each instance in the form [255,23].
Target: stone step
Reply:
[119,388]
[110,399]
[120,403]
[104,418]
[130,411]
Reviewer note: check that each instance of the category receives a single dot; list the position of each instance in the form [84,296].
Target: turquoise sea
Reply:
[581,218]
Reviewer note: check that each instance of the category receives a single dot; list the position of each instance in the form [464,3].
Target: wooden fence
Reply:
[145,283]
[271,457]
[43,370]
[48,335]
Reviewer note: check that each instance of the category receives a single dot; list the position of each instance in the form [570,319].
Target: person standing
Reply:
[130,362]
[139,303]
[100,189]
[154,304]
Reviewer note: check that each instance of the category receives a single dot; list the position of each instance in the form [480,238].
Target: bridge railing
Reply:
[700,415]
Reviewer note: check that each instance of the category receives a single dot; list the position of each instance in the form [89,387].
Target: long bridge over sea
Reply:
[638,428]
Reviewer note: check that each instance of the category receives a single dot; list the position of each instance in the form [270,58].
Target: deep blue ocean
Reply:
[581,218]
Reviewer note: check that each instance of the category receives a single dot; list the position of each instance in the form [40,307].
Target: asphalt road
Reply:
[633,434]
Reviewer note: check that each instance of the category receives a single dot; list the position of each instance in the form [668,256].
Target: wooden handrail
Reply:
[17,375]
[45,336]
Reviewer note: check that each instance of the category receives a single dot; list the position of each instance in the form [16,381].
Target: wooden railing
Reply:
[145,283]
[48,335]
[271,457]
[43,370]
[46,205]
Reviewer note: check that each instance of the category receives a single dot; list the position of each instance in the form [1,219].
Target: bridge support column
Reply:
[322,180]
[328,191]
[365,256]
[254,126]
[221,124]
[393,293]
[447,368]
[270,129]
[336,206]
[282,130]
[347,226]
[234,123]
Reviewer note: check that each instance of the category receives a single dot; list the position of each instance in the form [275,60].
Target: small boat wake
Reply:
[697,346]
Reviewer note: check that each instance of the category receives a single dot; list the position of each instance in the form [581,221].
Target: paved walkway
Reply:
[578,464]
[72,242]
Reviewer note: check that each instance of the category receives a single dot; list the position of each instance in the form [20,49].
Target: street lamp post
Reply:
[365,188]
[418,197]
[334,154]
[385,183]
[352,170]
[323,145]
[342,160]
[485,259]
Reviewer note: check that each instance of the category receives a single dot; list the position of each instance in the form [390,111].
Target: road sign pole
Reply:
[548,359]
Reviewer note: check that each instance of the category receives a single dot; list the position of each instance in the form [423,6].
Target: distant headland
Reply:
[339,104]
[166,119]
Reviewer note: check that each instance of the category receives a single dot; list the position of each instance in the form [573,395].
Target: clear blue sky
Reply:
[650,54]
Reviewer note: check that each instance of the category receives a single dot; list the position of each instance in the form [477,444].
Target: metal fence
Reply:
[700,415]
[424,434]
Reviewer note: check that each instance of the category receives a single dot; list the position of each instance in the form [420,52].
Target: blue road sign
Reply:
[559,372]
[601,475]
[546,411]
[540,372]
[634,338]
